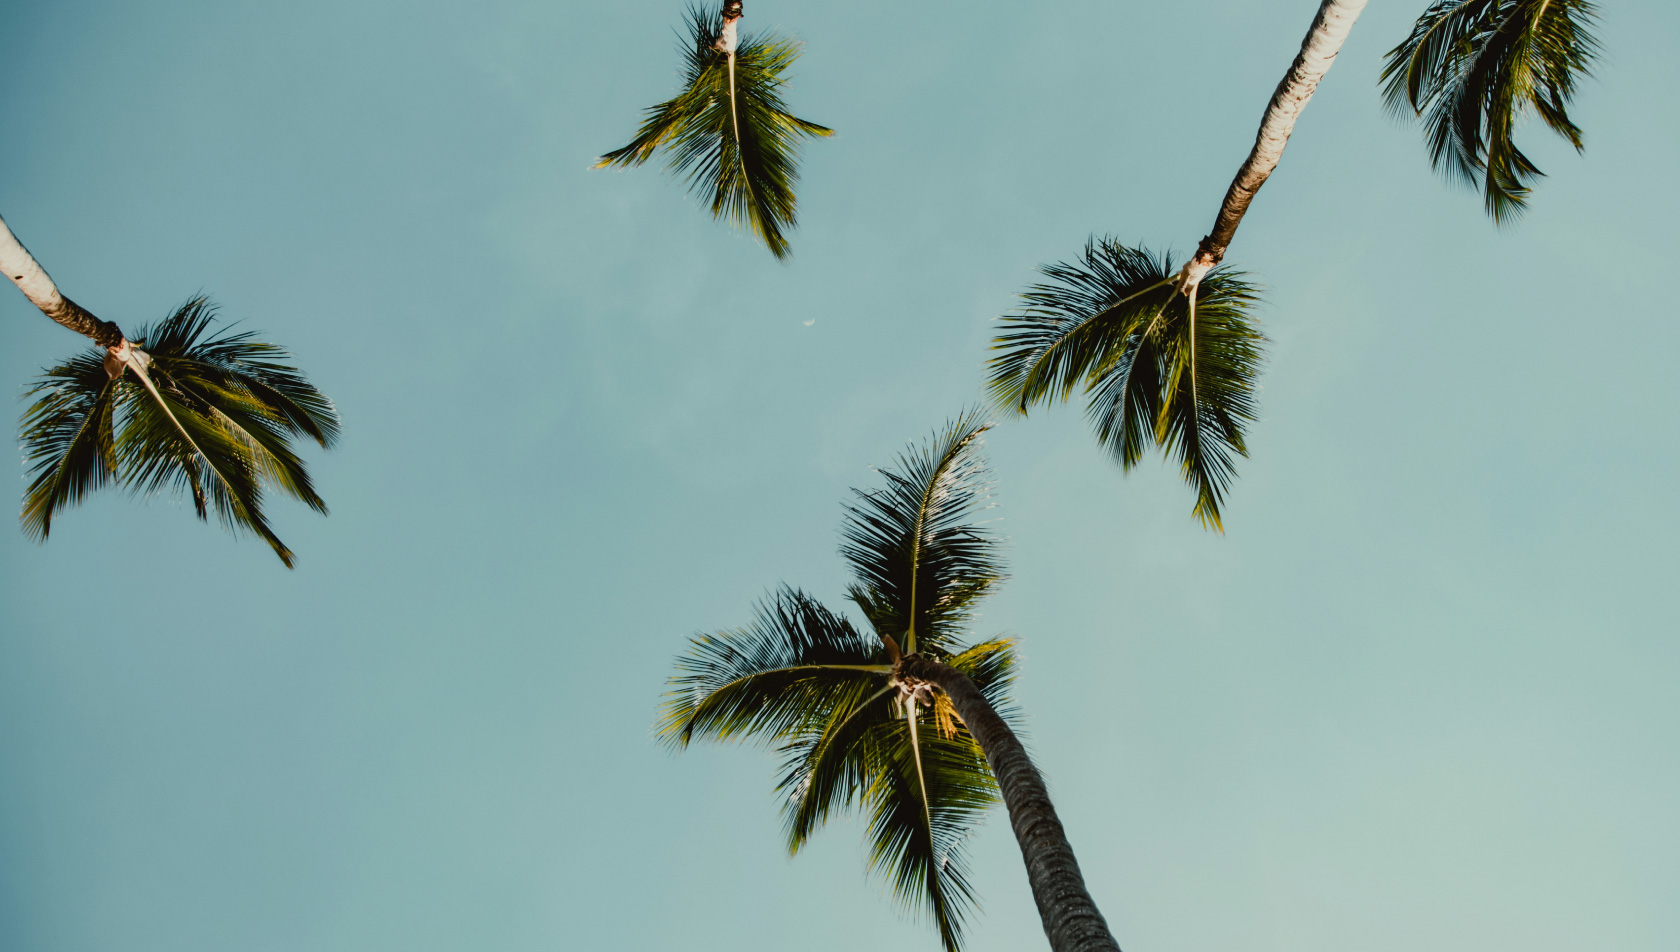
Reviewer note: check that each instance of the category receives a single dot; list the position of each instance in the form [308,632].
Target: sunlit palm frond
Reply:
[785,671]
[68,439]
[1471,68]
[920,555]
[728,133]
[1210,370]
[1157,368]
[208,460]
[991,666]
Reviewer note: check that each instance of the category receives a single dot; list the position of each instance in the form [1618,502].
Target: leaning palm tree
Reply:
[728,132]
[214,415]
[1470,68]
[1167,353]
[902,719]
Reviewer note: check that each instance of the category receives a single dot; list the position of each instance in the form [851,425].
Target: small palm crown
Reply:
[213,415]
[1162,365]
[728,132]
[804,680]
[1469,67]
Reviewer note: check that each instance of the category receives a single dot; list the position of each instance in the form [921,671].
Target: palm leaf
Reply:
[67,438]
[785,671]
[1158,367]
[804,679]
[218,427]
[918,843]
[920,556]
[728,133]
[1470,68]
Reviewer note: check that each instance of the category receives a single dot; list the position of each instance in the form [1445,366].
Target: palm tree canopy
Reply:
[804,680]
[728,132]
[1159,367]
[239,405]
[1469,67]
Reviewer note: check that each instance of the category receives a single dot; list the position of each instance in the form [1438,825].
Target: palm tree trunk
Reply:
[39,288]
[1318,51]
[1071,920]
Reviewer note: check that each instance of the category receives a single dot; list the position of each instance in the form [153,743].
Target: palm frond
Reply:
[1470,68]
[216,467]
[1158,368]
[920,556]
[919,843]
[728,133]
[1211,367]
[67,439]
[219,428]
[991,666]
[779,675]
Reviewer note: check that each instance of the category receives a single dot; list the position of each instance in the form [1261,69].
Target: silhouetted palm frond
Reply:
[1470,68]
[728,133]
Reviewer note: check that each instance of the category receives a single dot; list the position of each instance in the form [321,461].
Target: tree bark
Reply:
[39,288]
[1330,29]
[1071,920]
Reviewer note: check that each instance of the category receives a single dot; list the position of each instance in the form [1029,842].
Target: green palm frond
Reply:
[918,843]
[770,679]
[1471,67]
[67,439]
[219,428]
[1159,367]
[804,679]
[920,557]
[728,133]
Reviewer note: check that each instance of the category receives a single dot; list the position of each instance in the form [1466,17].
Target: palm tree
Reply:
[1168,354]
[728,132]
[901,721]
[1470,67]
[215,415]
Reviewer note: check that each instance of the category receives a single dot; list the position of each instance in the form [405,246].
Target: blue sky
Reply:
[1421,692]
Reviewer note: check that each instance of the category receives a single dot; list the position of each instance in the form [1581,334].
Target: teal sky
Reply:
[1421,695]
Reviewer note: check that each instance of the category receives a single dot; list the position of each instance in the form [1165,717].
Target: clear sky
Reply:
[1421,695]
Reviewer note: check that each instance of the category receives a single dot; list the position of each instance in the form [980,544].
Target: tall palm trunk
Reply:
[1330,29]
[39,288]
[1071,920]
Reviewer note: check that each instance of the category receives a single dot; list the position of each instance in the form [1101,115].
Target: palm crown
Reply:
[728,132]
[212,414]
[804,680]
[1161,366]
[1469,67]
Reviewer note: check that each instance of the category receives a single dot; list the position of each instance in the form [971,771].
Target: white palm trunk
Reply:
[120,355]
[32,279]
[1318,52]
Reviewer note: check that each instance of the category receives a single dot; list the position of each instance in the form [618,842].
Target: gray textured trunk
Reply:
[1071,920]
[1329,31]
[20,266]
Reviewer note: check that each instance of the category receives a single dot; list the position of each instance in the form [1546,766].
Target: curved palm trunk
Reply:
[1330,29]
[120,355]
[1071,920]
[39,288]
